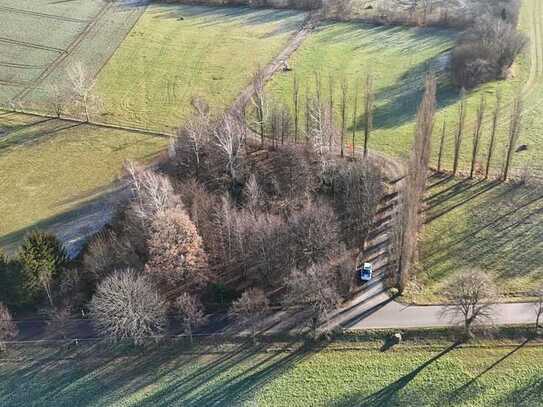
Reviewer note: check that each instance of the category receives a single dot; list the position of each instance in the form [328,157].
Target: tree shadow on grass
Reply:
[209,16]
[228,383]
[388,395]
[94,375]
[74,226]
[469,389]
[496,221]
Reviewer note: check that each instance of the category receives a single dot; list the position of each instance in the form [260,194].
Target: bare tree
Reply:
[250,310]
[83,83]
[8,328]
[411,195]
[296,104]
[471,294]
[190,143]
[357,188]
[513,135]
[420,152]
[538,310]
[355,117]
[459,132]
[127,305]
[253,194]
[259,101]
[176,257]
[228,138]
[492,143]
[313,290]
[441,145]
[368,112]
[191,311]
[152,192]
[331,108]
[58,99]
[344,92]
[477,134]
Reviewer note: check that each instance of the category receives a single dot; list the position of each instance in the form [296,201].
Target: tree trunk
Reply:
[441,144]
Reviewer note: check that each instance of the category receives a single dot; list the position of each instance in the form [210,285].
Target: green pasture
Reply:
[49,167]
[398,59]
[347,374]
[35,35]
[177,52]
[472,224]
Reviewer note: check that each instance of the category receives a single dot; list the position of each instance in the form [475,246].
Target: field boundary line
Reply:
[121,41]
[31,45]
[91,123]
[56,63]
[14,10]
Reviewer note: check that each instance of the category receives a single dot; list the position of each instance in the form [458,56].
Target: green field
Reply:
[175,53]
[40,39]
[474,224]
[398,58]
[346,374]
[49,168]
[52,170]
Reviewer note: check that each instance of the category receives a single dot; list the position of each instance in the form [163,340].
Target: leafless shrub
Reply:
[176,257]
[191,312]
[8,328]
[471,294]
[250,310]
[127,305]
[58,318]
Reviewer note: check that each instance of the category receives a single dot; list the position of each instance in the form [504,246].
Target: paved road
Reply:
[374,308]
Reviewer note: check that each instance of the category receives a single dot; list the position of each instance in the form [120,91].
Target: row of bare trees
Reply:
[320,117]
[513,134]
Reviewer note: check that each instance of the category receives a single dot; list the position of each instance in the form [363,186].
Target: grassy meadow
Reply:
[398,58]
[473,224]
[341,374]
[50,167]
[177,52]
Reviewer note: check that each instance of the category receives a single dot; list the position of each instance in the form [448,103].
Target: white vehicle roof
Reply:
[367,265]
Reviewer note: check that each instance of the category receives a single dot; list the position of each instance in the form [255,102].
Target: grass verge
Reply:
[343,374]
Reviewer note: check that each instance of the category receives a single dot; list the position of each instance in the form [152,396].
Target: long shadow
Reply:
[484,189]
[209,16]
[385,396]
[456,394]
[360,317]
[72,226]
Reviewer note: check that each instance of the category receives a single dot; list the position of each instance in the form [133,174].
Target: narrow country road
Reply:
[374,309]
